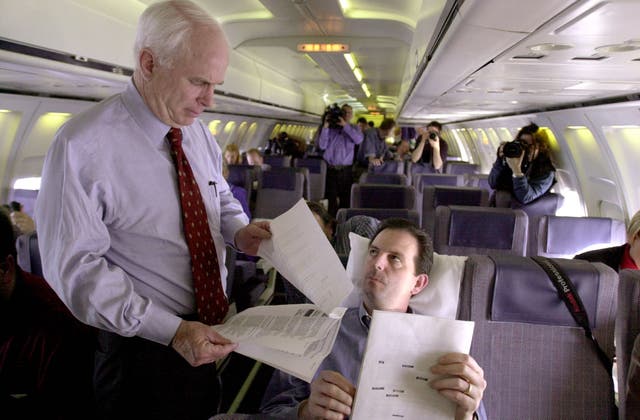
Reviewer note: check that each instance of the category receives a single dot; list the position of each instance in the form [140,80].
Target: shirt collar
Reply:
[365,318]
[147,120]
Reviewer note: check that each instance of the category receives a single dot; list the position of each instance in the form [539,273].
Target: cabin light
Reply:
[576,127]
[4,111]
[32,183]
[550,47]
[57,114]
[358,73]
[617,48]
[365,88]
[351,60]
[320,48]
[514,102]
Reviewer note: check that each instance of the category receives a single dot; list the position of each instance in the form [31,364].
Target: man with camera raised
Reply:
[431,148]
[524,166]
[338,138]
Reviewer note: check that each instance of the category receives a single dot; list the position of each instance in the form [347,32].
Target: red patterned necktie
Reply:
[210,300]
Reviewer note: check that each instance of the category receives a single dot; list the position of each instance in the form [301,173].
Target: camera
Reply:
[433,136]
[513,149]
[332,115]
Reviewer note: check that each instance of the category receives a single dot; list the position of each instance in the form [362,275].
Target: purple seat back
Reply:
[382,196]
[388,167]
[537,363]
[382,178]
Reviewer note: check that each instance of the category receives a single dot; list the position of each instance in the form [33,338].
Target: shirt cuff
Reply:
[159,325]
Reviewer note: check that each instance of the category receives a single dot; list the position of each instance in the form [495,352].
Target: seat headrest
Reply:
[569,235]
[524,293]
[460,196]
[279,180]
[469,228]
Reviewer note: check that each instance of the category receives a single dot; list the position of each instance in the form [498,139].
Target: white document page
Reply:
[301,252]
[292,338]
[395,373]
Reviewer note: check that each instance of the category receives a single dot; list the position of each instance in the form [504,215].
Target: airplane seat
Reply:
[537,362]
[230,264]
[306,191]
[435,195]
[461,168]
[382,178]
[468,230]
[627,331]
[345,214]
[383,196]
[478,180]
[564,237]
[388,167]
[548,204]
[420,168]
[420,181]
[277,193]
[243,176]
[317,176]
[277,161]
[28,254]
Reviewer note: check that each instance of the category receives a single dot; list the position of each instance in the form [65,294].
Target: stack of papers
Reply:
[295,338]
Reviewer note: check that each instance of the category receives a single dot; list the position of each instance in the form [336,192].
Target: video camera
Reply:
[332,115]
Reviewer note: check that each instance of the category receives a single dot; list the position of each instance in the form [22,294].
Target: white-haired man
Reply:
[133,218]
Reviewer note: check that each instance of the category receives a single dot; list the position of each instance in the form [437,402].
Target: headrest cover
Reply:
[570,235]
[481,229]
[444,196]
[524,293]
[279,180]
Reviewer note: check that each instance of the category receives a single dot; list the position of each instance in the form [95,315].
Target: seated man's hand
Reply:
[331,397]
[463,382]
[200,344]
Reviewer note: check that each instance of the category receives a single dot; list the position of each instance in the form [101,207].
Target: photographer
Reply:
[523,166]
[431,148]
[338,138]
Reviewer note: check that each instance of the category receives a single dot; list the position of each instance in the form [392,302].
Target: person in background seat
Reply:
[529,174]
[623,256]
[232,155]
[45,352]
[21,220]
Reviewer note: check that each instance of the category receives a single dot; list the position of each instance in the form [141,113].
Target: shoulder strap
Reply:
[571,298]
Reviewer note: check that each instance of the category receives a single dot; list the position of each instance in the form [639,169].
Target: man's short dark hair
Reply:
[424,260]
[387,124]
[319,209]
[435,124]
[362,120]
[254,151]
[7,237]
[370,123]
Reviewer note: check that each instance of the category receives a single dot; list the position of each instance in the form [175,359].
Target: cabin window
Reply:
[595,182]
[625,148]
[214,127]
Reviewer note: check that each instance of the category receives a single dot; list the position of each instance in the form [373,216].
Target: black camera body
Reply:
[433,136]
[332,115]
[514,149]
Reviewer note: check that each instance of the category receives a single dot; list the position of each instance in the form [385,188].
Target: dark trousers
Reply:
[137,378]
[338,188]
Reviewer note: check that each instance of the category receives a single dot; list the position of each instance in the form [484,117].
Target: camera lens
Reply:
[433,136]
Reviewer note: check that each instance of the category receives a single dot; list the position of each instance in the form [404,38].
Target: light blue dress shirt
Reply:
[110,222]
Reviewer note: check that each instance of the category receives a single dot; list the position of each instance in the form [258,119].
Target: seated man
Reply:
[45,352]
[400,255]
